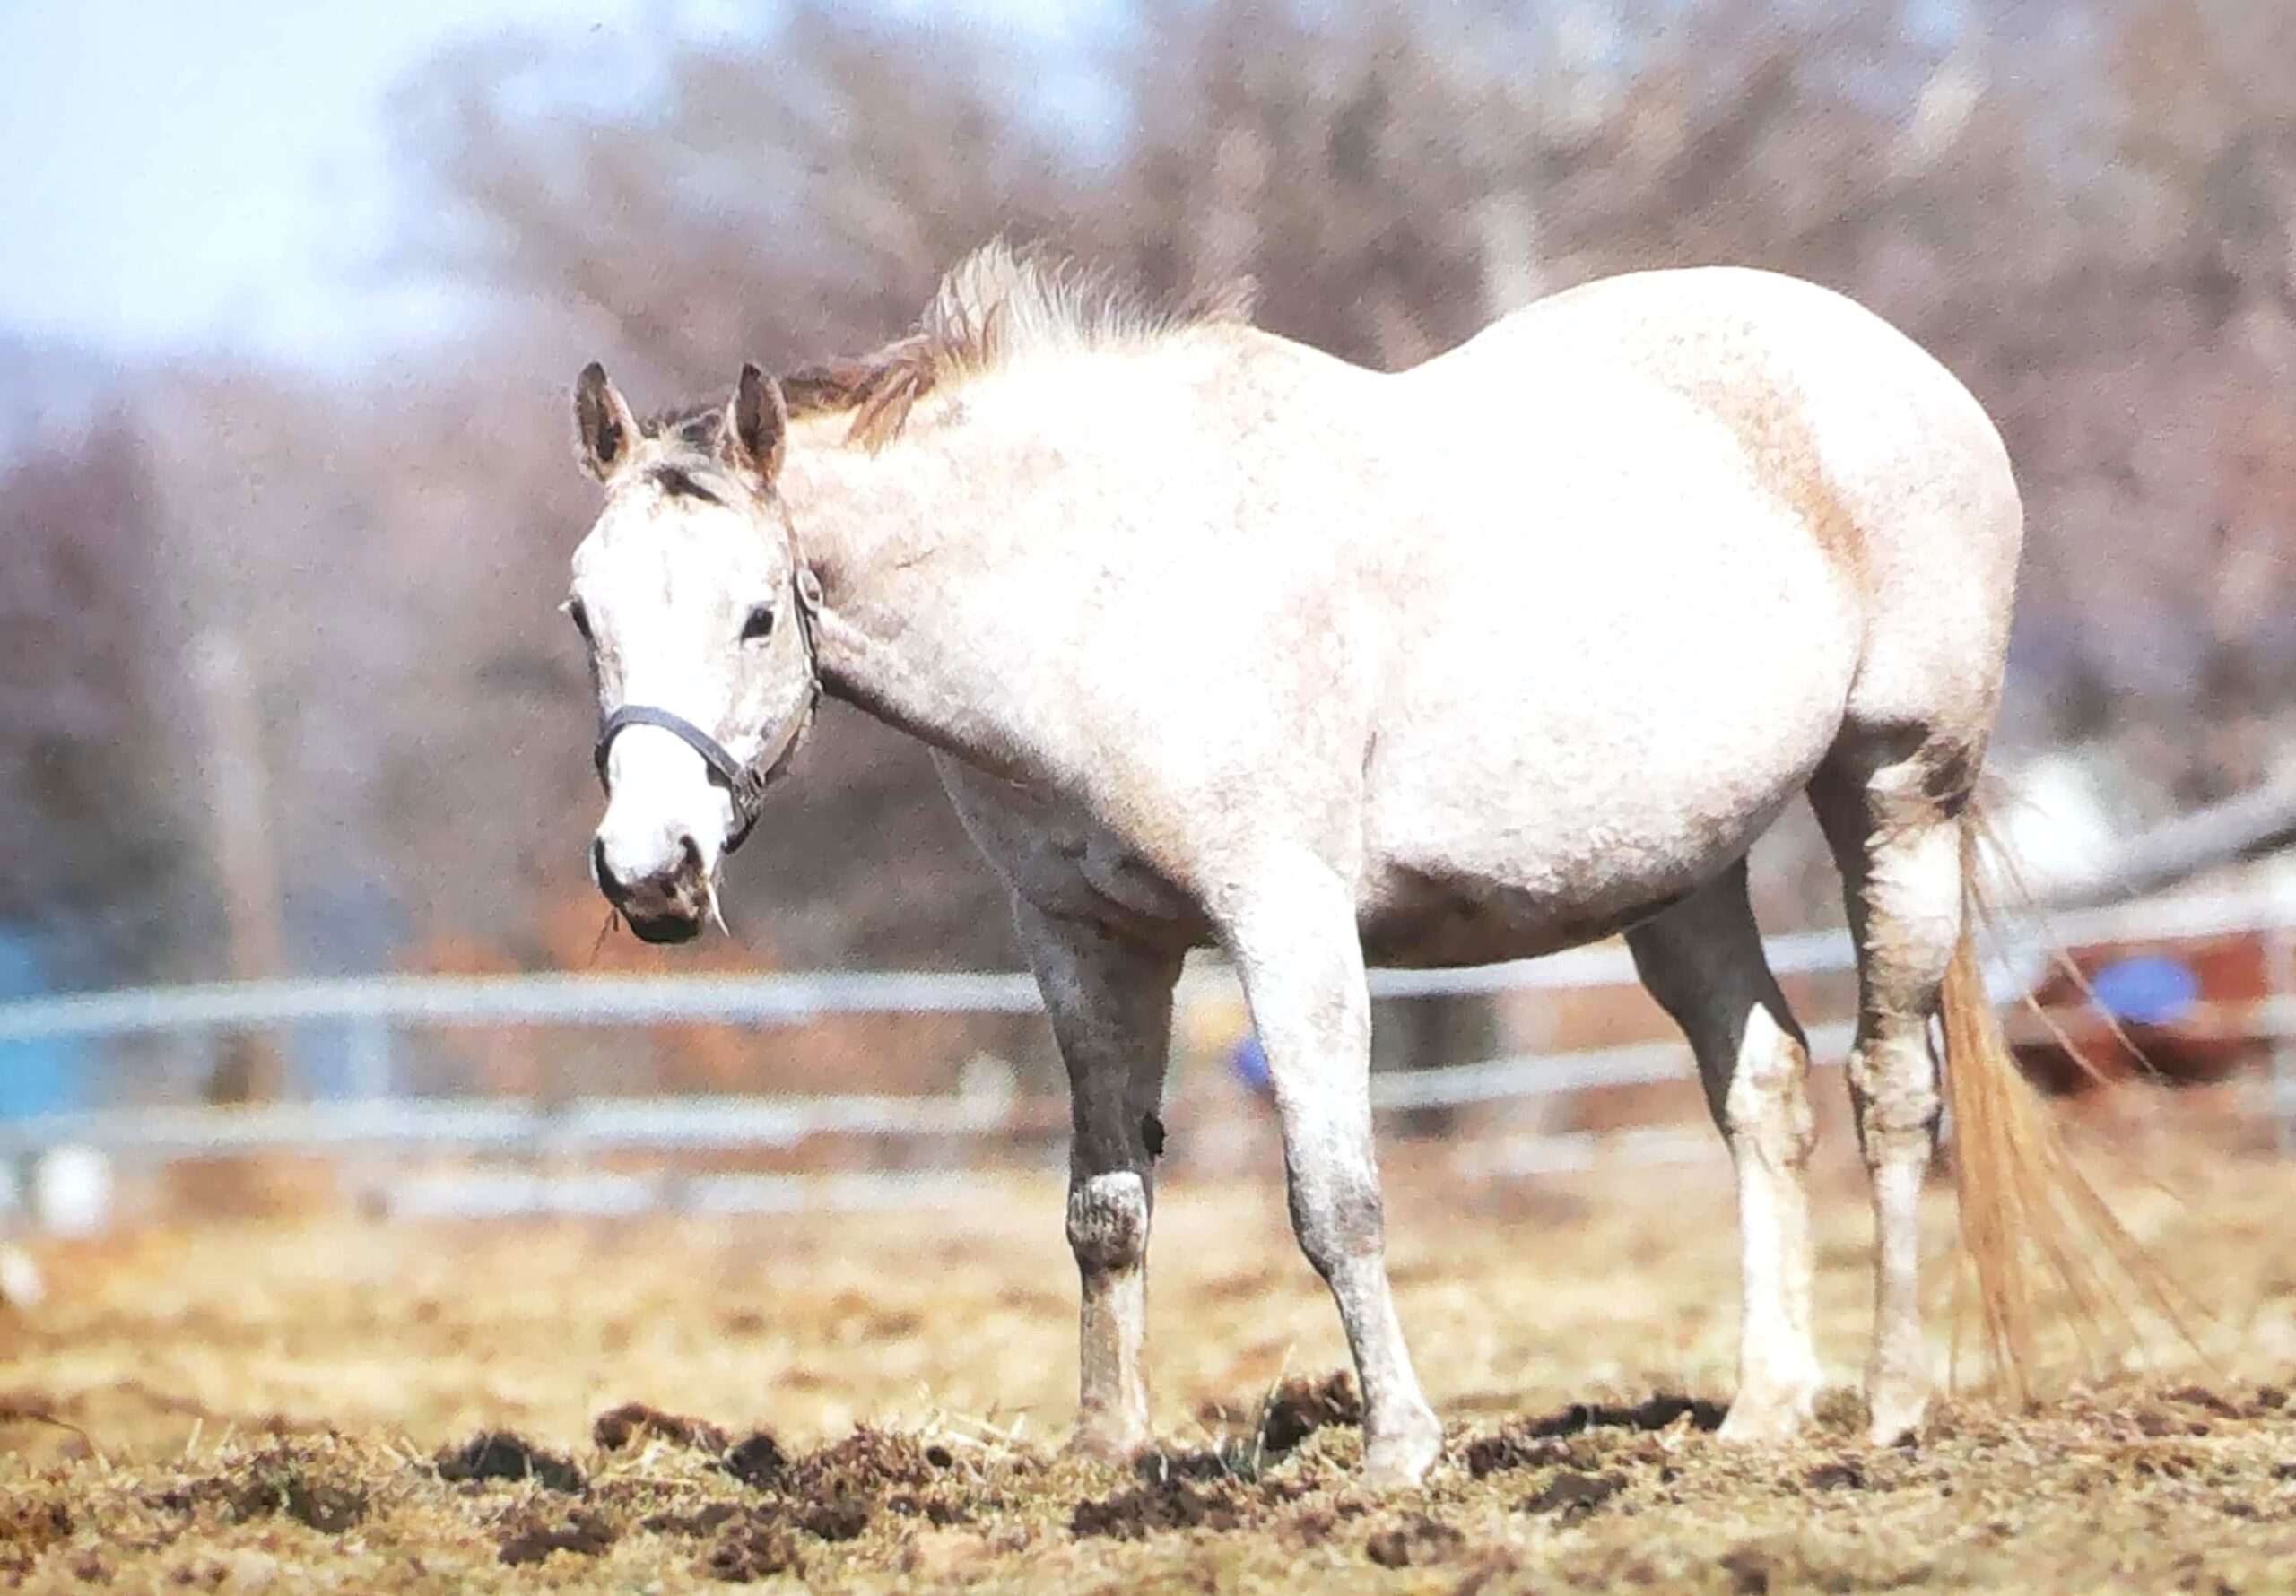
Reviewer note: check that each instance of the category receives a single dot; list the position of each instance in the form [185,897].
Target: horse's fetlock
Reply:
[1894,1085]
[1906,1137]
[1108,1221]
[1900,1108]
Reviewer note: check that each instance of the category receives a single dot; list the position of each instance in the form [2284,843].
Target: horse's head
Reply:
[697,611]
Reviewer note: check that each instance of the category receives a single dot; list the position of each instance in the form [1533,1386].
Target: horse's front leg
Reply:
[1111,1005]
[1292,933]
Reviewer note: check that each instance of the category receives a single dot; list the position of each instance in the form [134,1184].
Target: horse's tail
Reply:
[2032,1224]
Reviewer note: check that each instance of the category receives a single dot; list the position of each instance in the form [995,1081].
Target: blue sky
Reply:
[186,175]
[213,175]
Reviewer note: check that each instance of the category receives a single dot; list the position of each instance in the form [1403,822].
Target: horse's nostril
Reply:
[691,850]
[599,871]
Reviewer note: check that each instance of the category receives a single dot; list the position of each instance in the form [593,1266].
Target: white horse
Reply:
[1219,639]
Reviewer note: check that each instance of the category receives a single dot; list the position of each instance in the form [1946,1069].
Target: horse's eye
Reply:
[758,625]
[581,618]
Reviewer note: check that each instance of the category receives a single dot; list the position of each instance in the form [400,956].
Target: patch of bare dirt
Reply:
[635,1422]
[1570,1495]
[499,1455]
[1174,1502]
[450,1436]
[752,1547]
[277,1481]
[757,1460]
[532,1536]
[1292,1412]
[29,1528]
[1417,1544]
[1653,1413]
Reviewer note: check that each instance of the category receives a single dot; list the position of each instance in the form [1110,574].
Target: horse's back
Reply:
[1881,452]
[1809,380]
[1711,519]
[1878,454]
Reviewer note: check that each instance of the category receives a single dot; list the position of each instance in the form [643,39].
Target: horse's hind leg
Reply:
[1111,1005]
[1702,960]
[1896,834]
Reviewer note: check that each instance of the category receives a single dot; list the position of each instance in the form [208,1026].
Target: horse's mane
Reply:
[997,306]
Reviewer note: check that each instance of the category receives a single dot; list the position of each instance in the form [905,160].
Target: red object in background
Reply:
[2183,1002]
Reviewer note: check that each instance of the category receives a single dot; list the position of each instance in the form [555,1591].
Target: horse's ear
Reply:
[605,432]
[757,424]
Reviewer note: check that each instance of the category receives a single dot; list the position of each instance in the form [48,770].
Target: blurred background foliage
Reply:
[286,645]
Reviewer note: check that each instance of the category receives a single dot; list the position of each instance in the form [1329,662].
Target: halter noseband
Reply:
[746,784]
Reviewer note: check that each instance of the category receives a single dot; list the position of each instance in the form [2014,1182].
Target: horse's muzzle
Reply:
[663,930]
[662,907]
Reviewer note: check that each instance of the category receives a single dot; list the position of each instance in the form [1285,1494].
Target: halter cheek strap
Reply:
[746,784]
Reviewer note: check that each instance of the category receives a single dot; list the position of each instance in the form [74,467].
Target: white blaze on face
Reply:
[663,804]
[665,585]
[683,590]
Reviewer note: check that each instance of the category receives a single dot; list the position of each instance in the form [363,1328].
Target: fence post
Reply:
[245,866]
[2280,961]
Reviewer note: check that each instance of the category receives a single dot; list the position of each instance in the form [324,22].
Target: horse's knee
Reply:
[1338,1217]
[1108,1221]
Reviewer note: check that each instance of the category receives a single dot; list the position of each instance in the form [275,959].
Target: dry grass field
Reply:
[333,1404]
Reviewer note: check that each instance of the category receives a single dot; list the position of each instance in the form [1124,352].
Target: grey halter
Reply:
[746,784]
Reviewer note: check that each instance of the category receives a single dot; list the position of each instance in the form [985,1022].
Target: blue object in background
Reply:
[1249,1061]
[2146,988]
[48,1077]
[347,927]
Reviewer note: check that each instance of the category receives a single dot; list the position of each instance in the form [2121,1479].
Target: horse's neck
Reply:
[918,592]
[968,570]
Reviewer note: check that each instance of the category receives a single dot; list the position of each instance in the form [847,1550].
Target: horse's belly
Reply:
[1470,904]
[1576,731]
[1500,826]
[1459,888]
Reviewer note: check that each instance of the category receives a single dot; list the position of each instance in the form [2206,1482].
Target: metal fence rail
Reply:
[796,998]
[583,1128]
[513,1000]
[719,1123]
[580,1126]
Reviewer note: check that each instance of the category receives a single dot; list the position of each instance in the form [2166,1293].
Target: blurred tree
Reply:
[2006,182]
[2085,209]
[90,850]
[2203,130]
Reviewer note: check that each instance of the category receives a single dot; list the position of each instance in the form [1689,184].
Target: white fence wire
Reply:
[570,1132]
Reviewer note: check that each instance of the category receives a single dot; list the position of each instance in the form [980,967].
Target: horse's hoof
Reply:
[1105,1446]
[1757,1418]
[1401,1456]
[1897,1413]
